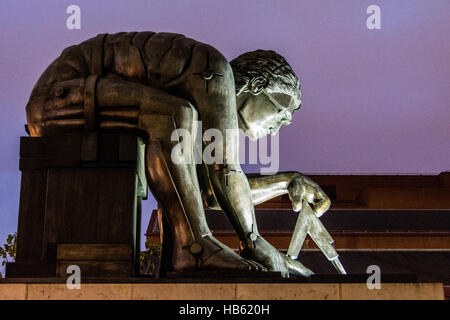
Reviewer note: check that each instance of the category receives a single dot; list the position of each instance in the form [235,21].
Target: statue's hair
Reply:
[267,63]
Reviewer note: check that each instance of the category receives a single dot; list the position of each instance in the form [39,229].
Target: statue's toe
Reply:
[296,268]
[255,266]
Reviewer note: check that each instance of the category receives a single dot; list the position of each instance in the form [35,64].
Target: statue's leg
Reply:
[116,104]
[178,194]
[174,184]
[258,249]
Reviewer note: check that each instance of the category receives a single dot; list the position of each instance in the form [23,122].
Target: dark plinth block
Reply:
[95,260]
[80,203]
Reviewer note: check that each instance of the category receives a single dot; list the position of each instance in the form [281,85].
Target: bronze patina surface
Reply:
[153,83]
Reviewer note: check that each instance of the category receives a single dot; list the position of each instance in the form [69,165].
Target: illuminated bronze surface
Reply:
[154,83]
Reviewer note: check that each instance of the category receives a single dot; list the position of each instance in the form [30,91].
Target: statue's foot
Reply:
[296,268]
[263,252]
[208,253]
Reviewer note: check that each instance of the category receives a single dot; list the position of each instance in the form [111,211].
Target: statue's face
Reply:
[264,113]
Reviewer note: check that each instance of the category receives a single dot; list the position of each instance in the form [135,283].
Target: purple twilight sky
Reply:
[374,101]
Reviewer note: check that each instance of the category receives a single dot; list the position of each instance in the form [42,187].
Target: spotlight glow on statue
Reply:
[155,83]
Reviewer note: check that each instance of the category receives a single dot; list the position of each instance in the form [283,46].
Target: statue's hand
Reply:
[301,189]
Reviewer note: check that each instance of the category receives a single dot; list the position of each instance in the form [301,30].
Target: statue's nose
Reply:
[275,128]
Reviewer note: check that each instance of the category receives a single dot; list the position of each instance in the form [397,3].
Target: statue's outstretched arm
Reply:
[266,187]
[299,187]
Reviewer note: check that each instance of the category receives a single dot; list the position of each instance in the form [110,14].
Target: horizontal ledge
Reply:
[93,252]
[350,241]
[224,291]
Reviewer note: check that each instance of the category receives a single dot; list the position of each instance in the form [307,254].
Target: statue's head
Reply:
[268,92]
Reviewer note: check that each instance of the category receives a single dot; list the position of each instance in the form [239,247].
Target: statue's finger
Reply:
[321,207]
[73,112]
[294,188]
[309,196]
[297,203]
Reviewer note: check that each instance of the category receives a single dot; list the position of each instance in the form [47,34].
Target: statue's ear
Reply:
[257,84]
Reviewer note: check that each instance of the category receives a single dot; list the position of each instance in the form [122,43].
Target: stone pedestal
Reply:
[80,204]
[222,291]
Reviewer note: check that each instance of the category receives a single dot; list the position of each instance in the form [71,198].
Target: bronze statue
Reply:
[154,83]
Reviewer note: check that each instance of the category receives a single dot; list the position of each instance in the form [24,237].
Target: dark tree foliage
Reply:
[8,250]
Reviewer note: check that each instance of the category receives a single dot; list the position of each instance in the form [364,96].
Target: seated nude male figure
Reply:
[154,83]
